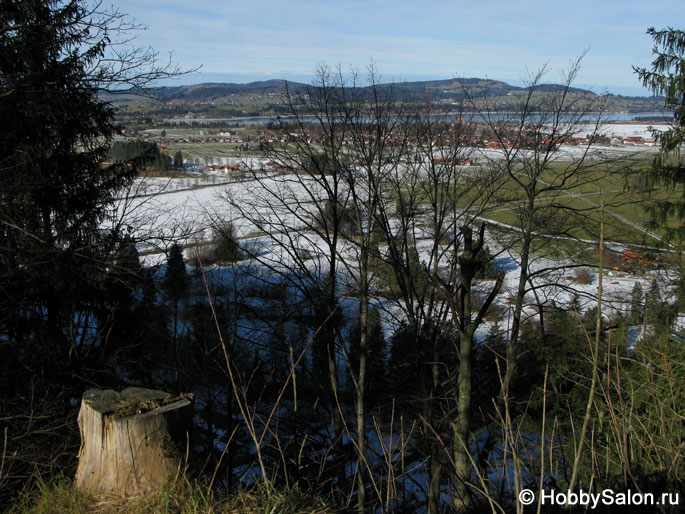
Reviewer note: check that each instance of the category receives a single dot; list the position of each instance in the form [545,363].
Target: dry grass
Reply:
[180,497]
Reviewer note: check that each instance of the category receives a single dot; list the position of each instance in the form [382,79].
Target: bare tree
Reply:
[302,212]
[527,145]
[376,145]
[438,198]
[547,151]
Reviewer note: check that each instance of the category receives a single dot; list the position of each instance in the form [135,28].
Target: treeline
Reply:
[141,153]
[552,384]
[666,119]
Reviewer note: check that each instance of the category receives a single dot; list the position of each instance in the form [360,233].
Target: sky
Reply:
[247,40]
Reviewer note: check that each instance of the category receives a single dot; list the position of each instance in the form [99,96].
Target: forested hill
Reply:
[222,92]
[264,94]
[450,88]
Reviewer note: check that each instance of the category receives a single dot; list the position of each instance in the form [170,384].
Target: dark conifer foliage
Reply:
[143,153]
[176,280]
[67,284]
[296,383]
[666,77]
[56,191]
[178,160]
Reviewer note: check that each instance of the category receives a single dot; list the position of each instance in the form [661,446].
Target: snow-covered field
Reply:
[160,211]
[632,129]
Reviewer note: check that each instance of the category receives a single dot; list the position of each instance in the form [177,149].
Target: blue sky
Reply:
[246,40]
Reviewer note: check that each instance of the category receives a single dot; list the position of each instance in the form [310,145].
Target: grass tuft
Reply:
[59,496]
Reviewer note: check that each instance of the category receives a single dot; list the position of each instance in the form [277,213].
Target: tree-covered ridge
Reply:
[266,96]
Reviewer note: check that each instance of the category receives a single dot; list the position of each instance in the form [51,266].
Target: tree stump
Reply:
[131,441]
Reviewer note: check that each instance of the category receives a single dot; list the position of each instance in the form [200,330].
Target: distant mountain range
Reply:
[449,88]
[215,92]
[265,97]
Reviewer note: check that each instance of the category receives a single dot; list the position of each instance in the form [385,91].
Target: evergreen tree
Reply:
[140,153]
[176,280]
[410,374]
[225,240]
[666,77]
[58,267]
[659,313]
[486,264]
[178,160]
[637,309]
[176,286]
[57,188]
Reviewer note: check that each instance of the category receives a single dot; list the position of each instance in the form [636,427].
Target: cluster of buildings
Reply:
[466,133]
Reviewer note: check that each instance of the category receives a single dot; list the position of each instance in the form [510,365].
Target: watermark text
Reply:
[594,500]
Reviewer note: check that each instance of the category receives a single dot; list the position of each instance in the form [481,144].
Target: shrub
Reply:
[582,276]
[222,248]
[203,254]
[226,248]
[486,265]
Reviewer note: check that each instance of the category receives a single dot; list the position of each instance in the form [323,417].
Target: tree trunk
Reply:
[131,441]
[361,390]
[462,426]
[434,475]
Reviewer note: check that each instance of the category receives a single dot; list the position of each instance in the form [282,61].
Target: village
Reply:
[222,151]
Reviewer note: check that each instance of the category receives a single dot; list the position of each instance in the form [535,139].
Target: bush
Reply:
[203,254]
[223,247]
[225,239]
[325,219]
[486,265]
[582,276]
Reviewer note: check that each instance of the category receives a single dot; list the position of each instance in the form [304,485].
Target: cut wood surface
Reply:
[131,441]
